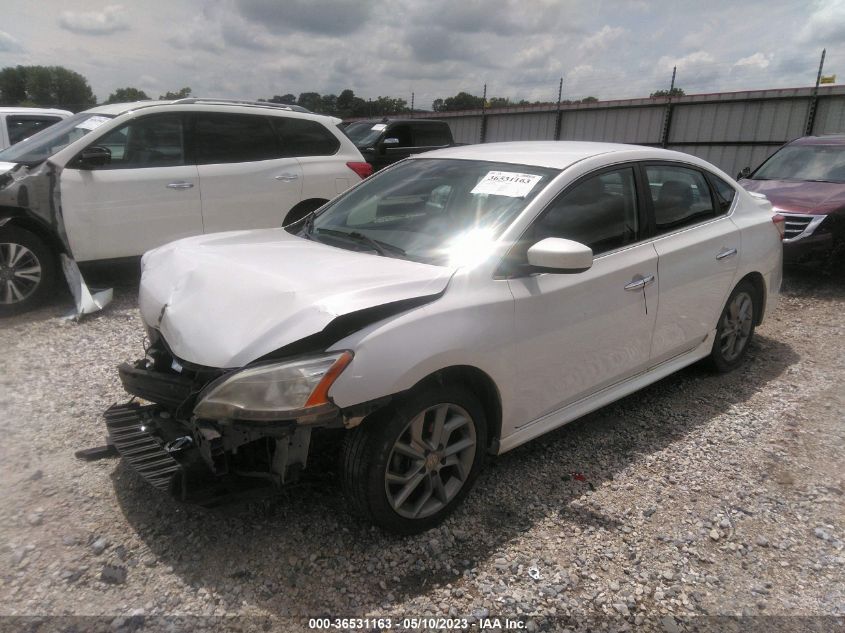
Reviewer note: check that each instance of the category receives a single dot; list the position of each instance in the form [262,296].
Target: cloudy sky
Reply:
[435,48]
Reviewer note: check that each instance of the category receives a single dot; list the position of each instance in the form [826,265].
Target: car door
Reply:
[145,196]
[697,246]
[245,180]
[578,333]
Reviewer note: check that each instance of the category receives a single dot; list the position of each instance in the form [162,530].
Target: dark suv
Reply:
[385,141]
[805,181]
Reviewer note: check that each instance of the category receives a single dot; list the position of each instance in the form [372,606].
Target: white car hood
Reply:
[4,167]
[226,299]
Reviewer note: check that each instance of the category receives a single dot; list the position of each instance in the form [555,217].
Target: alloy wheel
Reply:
[430,461]
[737,324]
[20,273]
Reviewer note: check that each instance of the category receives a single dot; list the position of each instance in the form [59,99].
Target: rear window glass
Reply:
[431,135]
[234,138]
[21,126]
[301,137]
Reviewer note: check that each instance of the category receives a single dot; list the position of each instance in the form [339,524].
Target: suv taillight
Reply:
[362,169]
[780,223]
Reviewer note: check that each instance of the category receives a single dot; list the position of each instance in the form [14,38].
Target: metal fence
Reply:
[731,130]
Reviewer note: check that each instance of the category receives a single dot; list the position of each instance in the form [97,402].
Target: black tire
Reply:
[369,449]
[21,288]
[301,210]
[735,329]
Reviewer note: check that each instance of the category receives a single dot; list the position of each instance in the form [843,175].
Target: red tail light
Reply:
[362,169]
[780,223]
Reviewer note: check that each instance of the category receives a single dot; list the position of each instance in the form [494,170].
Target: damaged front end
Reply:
[212,433]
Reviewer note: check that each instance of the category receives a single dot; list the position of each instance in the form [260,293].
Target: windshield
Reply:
[39,147]
[433,211]
[824,163]
[364,133]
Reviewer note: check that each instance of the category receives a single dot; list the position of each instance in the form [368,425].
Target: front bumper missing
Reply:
[128,427]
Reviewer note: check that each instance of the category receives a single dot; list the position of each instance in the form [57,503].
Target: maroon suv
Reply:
[805,181]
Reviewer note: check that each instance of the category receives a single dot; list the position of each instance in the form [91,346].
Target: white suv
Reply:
[18,124]
[120,179]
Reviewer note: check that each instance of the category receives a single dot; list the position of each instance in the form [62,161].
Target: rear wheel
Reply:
[27,270]
[407,468]
[735,329]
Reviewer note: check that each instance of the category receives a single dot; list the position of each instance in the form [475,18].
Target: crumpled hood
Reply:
[800,196]
[226,299]
[4,167]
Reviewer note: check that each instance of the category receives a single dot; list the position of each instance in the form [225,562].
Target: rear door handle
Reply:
[725,253]
[180,185]
[287,177]
[639,282]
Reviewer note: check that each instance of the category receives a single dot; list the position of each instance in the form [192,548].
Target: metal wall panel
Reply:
[521,127]
[729,158]
[465,129]
[746,121]
[617,125]
[830,115]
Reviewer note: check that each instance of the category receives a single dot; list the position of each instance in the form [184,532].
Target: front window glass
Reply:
[817,163]
[364,133]
[429,210]
[151,141]
[39,147]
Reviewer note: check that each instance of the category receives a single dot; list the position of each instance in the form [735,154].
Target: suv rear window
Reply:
[234,138]
[22,126]
[301,137]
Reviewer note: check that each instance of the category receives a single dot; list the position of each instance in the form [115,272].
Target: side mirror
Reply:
[390,141]
[94,156]
[745,173]
[557,255]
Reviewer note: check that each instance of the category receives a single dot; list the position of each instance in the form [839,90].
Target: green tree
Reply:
[182,93]
[125,95]
[309,100]
[498,102]
[438,105]
[462,101]
[53,86]
[674,92]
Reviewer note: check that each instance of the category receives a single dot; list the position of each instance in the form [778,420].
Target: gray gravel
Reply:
[702,495]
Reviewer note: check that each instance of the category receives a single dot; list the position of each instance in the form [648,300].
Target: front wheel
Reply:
[735,329]
[27,270]
[406,468]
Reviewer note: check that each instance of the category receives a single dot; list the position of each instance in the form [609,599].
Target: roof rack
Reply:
[260,104]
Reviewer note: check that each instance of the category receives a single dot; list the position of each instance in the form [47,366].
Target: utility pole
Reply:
[412,103]
[484,115]
[814,98]
[667,116]
[558,117]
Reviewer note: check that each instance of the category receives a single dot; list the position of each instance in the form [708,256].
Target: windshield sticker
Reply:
[506,183]
[378,127]
[92,123]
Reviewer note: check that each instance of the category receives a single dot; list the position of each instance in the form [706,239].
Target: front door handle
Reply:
[725,253]
[639,282]
[287,177]
[180,185]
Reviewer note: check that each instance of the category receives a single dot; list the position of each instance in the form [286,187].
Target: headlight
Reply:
[270,392]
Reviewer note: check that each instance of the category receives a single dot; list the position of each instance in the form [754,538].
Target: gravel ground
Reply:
[701,495]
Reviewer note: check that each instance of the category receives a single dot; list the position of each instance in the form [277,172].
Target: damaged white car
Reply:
[454,306]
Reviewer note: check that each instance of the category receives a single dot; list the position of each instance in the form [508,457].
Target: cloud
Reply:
[110,19]
[826,25]
[9,44]
[757,60]
[602,39]
[323,17]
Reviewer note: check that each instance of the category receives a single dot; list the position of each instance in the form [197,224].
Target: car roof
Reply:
[214,105]
[392,120]
[825,139]
[23,110]
[554,154]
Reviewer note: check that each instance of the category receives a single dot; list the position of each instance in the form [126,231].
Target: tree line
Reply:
[59,87]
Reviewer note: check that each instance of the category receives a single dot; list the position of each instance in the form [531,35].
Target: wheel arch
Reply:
[301,209]
[759,284]
[482,386]
[20,218]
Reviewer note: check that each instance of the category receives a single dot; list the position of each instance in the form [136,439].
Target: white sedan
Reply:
[454,306]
